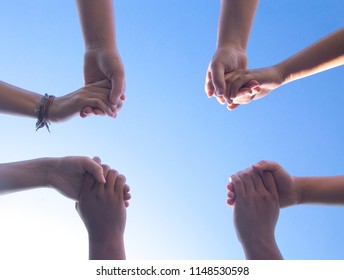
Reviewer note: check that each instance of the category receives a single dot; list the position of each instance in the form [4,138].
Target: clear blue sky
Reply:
[176,147]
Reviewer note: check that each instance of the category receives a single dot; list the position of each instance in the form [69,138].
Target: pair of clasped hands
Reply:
[229,81]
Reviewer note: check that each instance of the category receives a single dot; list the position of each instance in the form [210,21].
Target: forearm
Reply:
[23,175]
[97,22]
[324,54]
[18,101]
[107,250]
[235,22]
[323,190]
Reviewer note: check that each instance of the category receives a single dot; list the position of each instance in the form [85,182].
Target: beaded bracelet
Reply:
[42,111]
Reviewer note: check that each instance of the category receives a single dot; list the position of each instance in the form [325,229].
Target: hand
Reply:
[93,96]
[243,86]
[102,209]
[256,212]
[224,61]
[288,193]
[66,174]
[100,64]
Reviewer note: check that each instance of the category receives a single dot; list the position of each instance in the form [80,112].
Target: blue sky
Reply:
[176,147]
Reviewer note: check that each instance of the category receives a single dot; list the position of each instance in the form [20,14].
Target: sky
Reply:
[176,147]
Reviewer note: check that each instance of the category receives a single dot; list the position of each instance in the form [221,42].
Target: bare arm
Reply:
[324,54]
[235,22]
[102,59]
[18,101]
[97,23]
[321,190]
[19,176]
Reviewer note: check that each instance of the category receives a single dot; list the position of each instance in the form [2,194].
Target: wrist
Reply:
[299,188]
[284,71]
[101,48]
[230,46]
[107,248]
[262,248]
[49,165]
[59,104]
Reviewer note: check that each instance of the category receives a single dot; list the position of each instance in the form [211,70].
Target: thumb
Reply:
[95,169]
[117,89]
[265,165]
[218,77]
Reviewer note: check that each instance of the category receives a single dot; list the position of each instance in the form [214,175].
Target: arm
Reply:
[324,54]
[18,101]
[63,174]
[321,190]
[103,211]
[102,59]
[235,22]
[256,211]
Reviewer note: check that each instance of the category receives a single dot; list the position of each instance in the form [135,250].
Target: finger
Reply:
[246,178]
[111,180]
[99,107]
[244,91]
[230,186]
[231,196]
[269,183]
[101,186]
[252,84]
[98,112]
[238,83]
[239,187]
[265,165]
[218,78]
[97,160]
[106,170]
[232,106]
[94,168]
[220,99]
[119,186]
[126,204]
[230,202]
[126,188]
[257,180]
[119,105]
[209,87]
[126,196]
[118,88]
[86,111]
